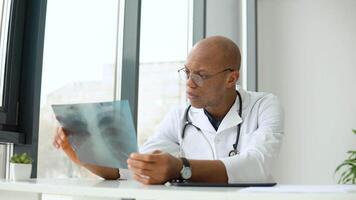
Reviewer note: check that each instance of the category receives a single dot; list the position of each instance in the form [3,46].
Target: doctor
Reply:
[226,135]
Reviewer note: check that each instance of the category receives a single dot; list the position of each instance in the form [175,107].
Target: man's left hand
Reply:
[155,168]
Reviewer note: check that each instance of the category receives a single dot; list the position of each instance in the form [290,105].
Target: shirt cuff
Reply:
[125,174]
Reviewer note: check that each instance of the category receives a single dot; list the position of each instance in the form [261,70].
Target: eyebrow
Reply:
[198,71]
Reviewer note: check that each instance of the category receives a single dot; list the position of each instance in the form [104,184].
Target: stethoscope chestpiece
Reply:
[234,152]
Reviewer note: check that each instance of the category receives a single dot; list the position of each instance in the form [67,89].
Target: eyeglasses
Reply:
[198,78]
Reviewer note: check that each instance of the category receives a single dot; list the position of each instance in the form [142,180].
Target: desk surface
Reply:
[133,189]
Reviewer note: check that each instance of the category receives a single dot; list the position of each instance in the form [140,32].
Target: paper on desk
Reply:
[302,189]
[100,133]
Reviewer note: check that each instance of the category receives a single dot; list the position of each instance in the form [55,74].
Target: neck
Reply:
[222,108]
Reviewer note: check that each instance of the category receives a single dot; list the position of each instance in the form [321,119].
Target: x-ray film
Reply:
[100,133]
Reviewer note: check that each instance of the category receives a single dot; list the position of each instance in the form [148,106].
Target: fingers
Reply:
[61,132]
[54,143]
[140,164]
[140,167]
[152,168]
[142,179]
[58,142]
[60,139]
[55,139]
[143,172]
[143,157]
[146,179]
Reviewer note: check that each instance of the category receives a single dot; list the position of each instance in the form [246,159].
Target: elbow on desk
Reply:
[110,177]
[248,167]
[106,173]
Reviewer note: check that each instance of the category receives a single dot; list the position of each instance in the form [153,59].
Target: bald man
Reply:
[226,135]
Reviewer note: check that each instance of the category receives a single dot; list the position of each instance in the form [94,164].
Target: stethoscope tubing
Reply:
[187,122]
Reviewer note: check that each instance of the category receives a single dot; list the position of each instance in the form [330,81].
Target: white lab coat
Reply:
[259,144]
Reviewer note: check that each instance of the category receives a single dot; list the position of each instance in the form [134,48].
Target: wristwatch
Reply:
[186,171]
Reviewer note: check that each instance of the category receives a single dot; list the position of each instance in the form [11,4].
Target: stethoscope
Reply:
[187,122]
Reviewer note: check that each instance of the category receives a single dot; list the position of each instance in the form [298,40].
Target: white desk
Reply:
[34,189]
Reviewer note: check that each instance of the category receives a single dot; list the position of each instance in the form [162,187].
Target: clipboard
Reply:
[185,183]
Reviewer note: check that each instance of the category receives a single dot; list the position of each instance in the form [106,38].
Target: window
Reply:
[5,9]
[80,65]
[166,34]
[81,43]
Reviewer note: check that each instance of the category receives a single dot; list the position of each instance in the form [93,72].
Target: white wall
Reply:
[307,56]
[224,17]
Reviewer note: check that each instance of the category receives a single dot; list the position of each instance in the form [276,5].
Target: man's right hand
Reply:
[61,141]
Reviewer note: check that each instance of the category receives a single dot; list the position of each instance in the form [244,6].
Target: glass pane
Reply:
[79,62]
[165,36]
[5,9]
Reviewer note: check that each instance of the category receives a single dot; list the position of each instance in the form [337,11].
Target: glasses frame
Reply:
[199,79]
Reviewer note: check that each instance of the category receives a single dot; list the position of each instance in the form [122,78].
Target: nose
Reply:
[190,83]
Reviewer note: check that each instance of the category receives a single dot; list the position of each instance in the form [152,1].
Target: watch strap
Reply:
[185,162]
[186,171]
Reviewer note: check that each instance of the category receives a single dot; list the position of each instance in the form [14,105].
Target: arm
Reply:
[159,167]
[252,164]
[212,171]
[61,141]
[104,172]
[255,160]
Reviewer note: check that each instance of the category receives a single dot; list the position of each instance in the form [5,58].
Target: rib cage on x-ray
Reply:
[100,133]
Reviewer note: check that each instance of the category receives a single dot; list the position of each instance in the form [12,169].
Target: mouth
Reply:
[191,95]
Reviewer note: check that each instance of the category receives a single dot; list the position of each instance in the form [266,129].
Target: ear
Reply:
[232,79]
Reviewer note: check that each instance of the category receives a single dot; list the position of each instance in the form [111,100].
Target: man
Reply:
[214,121]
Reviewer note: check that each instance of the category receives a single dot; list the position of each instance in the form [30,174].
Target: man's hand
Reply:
[155,168]
[61,141]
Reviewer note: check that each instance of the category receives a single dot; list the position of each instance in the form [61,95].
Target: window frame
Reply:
[20,115]
[9,110]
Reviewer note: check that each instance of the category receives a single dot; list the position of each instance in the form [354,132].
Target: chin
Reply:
[196,104]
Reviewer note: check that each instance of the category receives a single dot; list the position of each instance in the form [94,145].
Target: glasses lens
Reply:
[183,75]
[197,79]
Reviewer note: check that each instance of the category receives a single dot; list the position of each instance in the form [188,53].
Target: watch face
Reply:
[186,173]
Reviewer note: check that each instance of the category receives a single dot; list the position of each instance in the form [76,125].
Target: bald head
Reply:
[218,51]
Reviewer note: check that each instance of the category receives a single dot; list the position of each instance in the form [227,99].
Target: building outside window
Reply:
[166,36]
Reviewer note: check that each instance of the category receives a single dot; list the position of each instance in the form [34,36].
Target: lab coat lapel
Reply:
[232,118]
[200,120]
